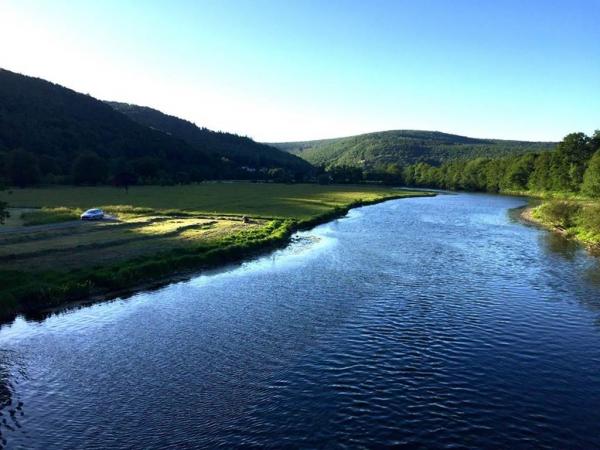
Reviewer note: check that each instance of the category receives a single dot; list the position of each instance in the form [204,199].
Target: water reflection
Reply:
[554,243]
[11,409]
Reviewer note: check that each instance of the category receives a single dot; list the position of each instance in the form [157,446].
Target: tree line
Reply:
[21,168]
[572,167]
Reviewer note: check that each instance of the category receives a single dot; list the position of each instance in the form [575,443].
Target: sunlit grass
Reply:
[170,226]
[50,215]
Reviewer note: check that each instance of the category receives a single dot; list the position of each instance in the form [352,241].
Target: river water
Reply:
[430,322]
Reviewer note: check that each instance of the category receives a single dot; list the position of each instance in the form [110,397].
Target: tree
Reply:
[323,178]
[4,214]
[518,173]
[89,168]
[539,180]
[408,175]
[147,167]
[393,174]
[473,176]
[572,154]
[595,141]
[22,168]
[345,174]
[591,178]
[3,209]
[124,179]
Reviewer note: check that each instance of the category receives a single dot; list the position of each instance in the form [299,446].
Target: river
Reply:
[430,322]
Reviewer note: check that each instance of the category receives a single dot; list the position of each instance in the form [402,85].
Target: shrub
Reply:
[560,212]
[590,219]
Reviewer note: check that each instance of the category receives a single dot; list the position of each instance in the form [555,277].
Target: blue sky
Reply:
[295,70]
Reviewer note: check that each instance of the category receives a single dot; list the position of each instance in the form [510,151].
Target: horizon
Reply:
[504,71]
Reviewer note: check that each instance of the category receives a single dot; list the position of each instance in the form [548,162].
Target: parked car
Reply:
[93,214]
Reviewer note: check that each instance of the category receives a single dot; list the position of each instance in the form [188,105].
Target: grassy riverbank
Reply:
[573,217]
[161,232]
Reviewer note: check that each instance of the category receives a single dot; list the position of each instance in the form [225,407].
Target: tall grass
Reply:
[50,215]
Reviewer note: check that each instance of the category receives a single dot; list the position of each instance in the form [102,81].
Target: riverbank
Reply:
[573,219]
[154,247]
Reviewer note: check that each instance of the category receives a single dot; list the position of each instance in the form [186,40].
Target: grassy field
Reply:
[47,257]
[297,201]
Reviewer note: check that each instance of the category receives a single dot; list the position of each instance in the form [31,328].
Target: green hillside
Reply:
[241,150]
[46,130]
[405,147]
[50,134]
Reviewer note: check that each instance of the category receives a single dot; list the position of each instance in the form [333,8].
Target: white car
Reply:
[93,214]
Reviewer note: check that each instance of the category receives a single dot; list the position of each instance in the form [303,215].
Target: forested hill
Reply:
[52,134]
[50,128]
[403,147]
[242,150]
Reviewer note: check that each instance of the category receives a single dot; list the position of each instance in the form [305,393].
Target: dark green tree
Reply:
[22,168]
[4,214]
[345,174]
[539,180]
[124,179]
[595,141]
[148,168]
[89,168]
[518,172]
[591,178]
[571,157]
[393,174]
[474,175]
[3,208]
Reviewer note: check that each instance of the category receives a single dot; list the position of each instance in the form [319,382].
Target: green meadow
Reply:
[297,201]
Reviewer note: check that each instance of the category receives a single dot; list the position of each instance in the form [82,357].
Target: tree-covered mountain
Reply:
[52,134]
[241,150]
[46,129]
[374,151]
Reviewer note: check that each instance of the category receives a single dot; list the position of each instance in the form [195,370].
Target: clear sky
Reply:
[293,70]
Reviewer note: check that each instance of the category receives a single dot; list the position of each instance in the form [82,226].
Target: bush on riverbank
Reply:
[589,224]
[577,219]
[559,213]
